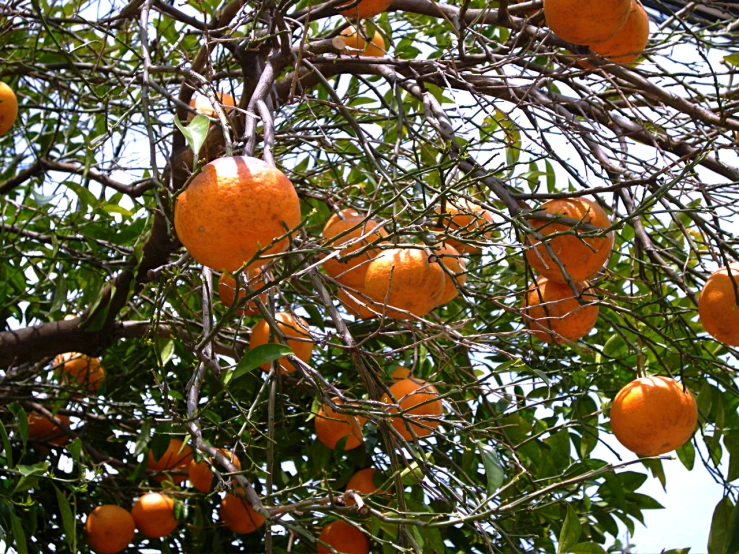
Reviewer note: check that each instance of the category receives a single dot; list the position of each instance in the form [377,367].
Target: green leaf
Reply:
[686,454]
[195,133]
[35,469]
[493,470]
[732,59]
[732,446]
[165,350]
[21,420]
[732,536]
[677,551]
[75,449]
[717,539]
[6,446]
[570,533]
[143,439]
[587,548]
[18,535]
[262,354]
[60,292]
[70,534]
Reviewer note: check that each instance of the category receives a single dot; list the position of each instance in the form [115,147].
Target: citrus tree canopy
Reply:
[480,259]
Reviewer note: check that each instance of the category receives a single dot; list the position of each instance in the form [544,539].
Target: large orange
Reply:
[154,515]
[449,256]
[407,279]
[332,426]
[109,529]
[360,47]
[86,370]
[176,457]
[553,313]
[357,306]
[351,272]
[367,8]
[465,219]
[586,22]
[201,475]
[363,481]
[718,307]
[8,108]
[342,537]
[628,43]
[43,430]
[420,404]
[238,515]
[581,257]
[227,291]
[290,326]
[233,208]
[653,415]
[202,104]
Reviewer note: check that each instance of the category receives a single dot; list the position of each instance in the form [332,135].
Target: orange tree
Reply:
[582,205]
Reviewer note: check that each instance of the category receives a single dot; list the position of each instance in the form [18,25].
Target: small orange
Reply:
[358,44]
[627,44]
[718,307]
[363,482]
[351,302]
[407,279]
[342,537]
[238,515]
[400,373]
[201,475]
[109,529]
[86,370]
[154,515]
[176,457]
[227,291]
[653,415]
[8,108]
[553,313]
[420,403]
[367,8]
[332,426]
[351,272]
[202,104]
[581,257]
[291,326]
[43,430]
[586,22]
[449,256]
[232,209]
[465,219]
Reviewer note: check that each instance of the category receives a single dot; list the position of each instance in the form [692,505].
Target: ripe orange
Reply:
[154,515]
[466,219]
[291,327]
[362,482]
[86,370]
[586,22]
[628,43]
[202,104]
[400,373]
[227,291]
[653,415]
[449,256]
[333,426]
[8,108]
[234,207]
[718,307]
[553,313]
[351,302]
[581,257]
[420,404]
[201,475]
[43,430]
[351,272]
[342,537]
[367,8]
[239,516]
[109,529]
[405,278]
[176,457]
[376,46]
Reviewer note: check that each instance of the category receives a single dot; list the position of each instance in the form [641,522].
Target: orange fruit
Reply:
[233,208]
[351,302]
[86,370]
[553,313]
[400,373]
[8,108]
[201,475]
[351,272]
[376,46]
[109,529]
[653,415]
[238,515]
[332,426]
[718,308]
[227,291]
[581,257]
[291,327]
[420,404]
[464,218]
[43,430]
[154,515]
[405,278]
[586,22]
[628,43]
[342,537]
[449,256]
[362,482]
[367,8]
[202,104]
[176,457]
